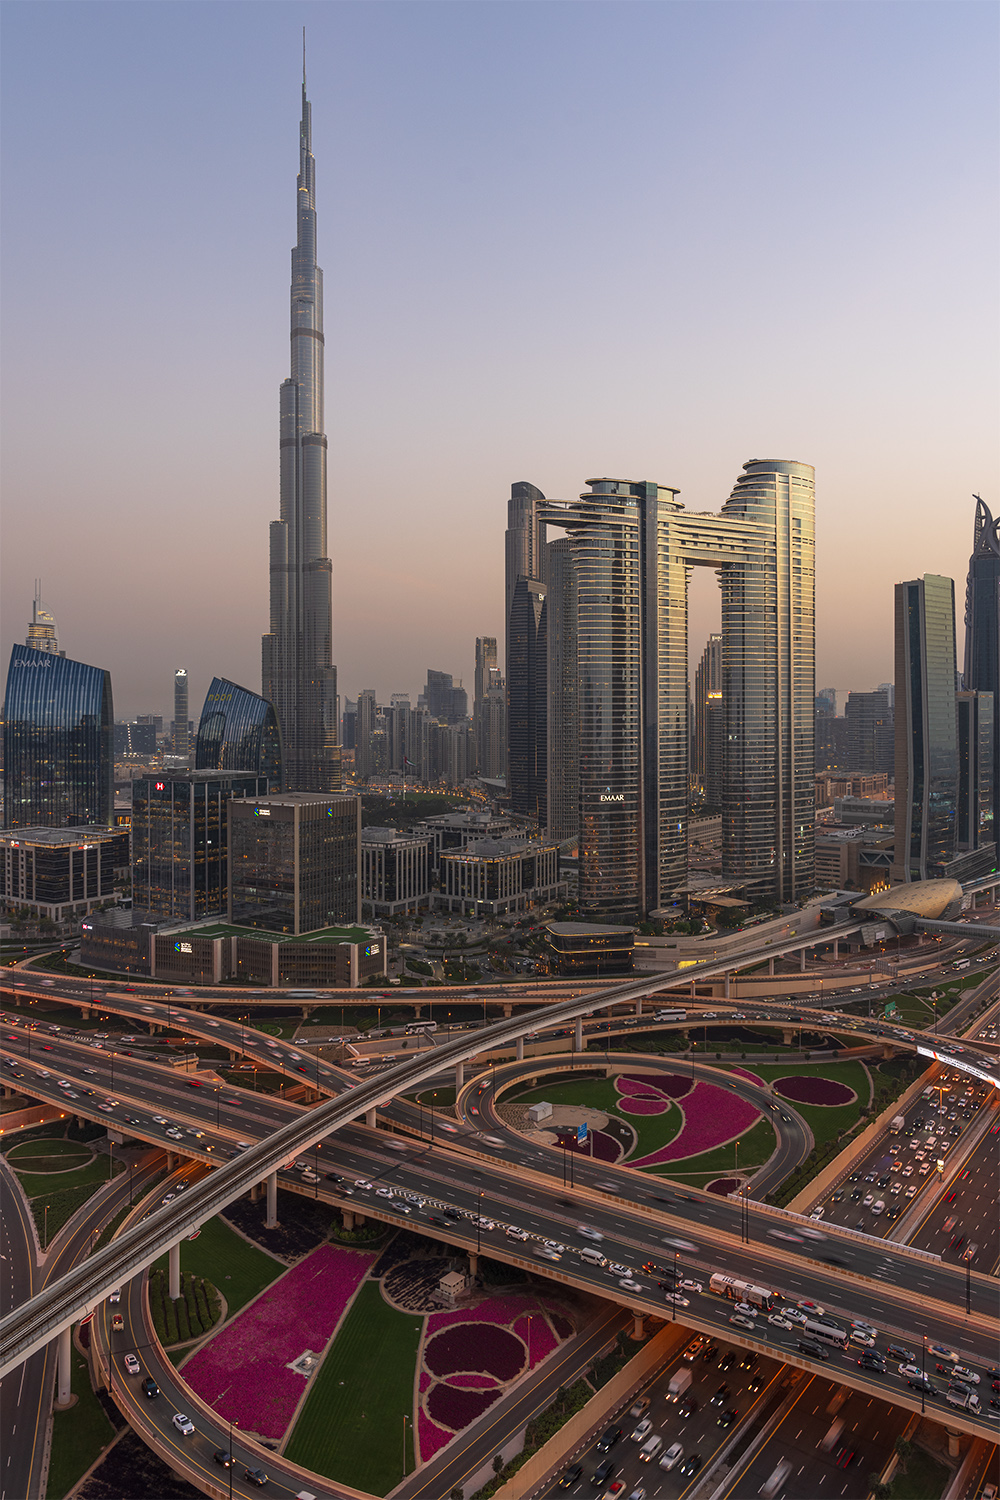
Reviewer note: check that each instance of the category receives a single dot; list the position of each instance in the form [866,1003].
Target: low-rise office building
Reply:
[589,948]
[62,873]
[295,861]
[499,875]
[395,872]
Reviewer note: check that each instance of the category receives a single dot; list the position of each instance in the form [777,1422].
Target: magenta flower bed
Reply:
[425,1380]
[635,1106]
[493,1310]
[456,1408]
[599,1145]
[712,1116]
[562,1326]
[474,1382]
[430,1436]
[538,1336]
[750,1077]
[804,1090]
[482,1347]
[673,1085]
[241,1371]
[723,1185]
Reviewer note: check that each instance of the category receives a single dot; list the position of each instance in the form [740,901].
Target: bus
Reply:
[740,1291]
[671,1015]
[415,1028]
[825,1333]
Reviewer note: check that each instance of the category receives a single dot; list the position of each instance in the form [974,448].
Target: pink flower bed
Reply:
[723,1185]
[482,1347]
[673,1085]
[642,1106]
[750,1077]
[430,1436]
[600,1146]
[241,1372]
[802,1089]
[712,1116]
[468,1347]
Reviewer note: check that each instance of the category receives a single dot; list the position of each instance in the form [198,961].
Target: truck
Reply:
[964,1400]
[898,1122]
[678,1384]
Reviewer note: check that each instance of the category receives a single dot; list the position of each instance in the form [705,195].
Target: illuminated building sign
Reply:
[612,796]
[182,947]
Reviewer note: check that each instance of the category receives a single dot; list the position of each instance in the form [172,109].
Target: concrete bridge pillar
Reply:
[638,1006]
[508,1010]
[171,1162]
[770,967]
[271,1221]
[639,1326]
[578,1035]
[459,1076]
[473,1263]
[836,949]
[174,1270]
[370,1118]
[692,992]
[725,991]
[953,1441]
[887,1052]
[519,1049]
[787,1035]
[348,1219]
[64,1374]
[802,960]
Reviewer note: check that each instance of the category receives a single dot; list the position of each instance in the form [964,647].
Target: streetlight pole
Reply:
[405,1419]
[232,1424]
[45,1242]
[673,1293]
[479,1226]
[923,1375]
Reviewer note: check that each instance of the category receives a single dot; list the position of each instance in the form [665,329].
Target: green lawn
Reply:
[225,1258]
[96,1170]
[653,1131]
[825,1121]
[48,1155]
[925,1479]
[78,1435]
[351,1426]
[756,1146]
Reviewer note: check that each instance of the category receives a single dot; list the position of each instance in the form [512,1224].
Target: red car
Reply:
[194,1083]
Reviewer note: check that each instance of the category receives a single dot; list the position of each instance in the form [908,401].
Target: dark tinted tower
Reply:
[58,742]
[982,629]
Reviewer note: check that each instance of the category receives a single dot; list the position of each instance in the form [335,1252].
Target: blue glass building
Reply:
[58,742]
[238,731]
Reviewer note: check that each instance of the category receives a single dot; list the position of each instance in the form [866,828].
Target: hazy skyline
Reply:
[559,241]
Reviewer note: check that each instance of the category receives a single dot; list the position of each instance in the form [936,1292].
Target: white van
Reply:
[651,1448]
[593,1257]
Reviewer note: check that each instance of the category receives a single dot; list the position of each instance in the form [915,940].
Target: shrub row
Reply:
[193,1313]
[617,1358]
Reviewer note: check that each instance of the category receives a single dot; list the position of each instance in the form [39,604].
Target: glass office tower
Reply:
[295,862]
[238,731]
[925,728]
[633,546]
[180,841]
[298,674]
[58,742]
[982,629]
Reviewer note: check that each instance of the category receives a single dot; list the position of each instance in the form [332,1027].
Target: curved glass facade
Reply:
[57,742]
[238,731]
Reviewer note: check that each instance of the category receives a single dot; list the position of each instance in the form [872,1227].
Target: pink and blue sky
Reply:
[560,240]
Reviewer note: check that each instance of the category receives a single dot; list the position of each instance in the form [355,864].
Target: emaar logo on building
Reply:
[612,796]
[34,661]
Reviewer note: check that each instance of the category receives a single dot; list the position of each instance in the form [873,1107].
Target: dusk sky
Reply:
[560,241]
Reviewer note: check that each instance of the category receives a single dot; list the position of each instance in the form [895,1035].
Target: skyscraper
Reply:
[709,722]
[925,728]
[486,663]
[42,630]
[238,731]
[633,548]
[181,740]
[58,742]
[299,677]
[562,670]
[982,629]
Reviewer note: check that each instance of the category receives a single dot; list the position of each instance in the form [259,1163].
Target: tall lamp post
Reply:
[479,1226]
[673,1294]
[232,1424]
[405,1420]
[923,1375]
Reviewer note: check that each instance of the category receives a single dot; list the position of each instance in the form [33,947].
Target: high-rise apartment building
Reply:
[974,828]
[486,667]
[925,728]
[527,701]
[299,677]
[982,629]
[633,547]
[870,733]
[364,748]
[493,729]
[562,739]
[181,739]
[58,742]
[709,723]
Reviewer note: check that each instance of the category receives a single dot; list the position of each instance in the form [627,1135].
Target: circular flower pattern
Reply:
[455,1408]
[475,1346]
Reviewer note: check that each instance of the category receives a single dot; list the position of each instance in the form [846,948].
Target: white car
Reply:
[864,1327]
[212,1023]
[675,1300]
[382,1192]
[131,1364]
[910,1372]
[160,1119]
[362,1182]
[691,1286]
[745,1308]
[115,1296]
[672,1456]
[965,1374]
[741,1321]
[859,1336]
[779,1321]
[588,1233]
[516,1233]
[642,1430]
[633,1286]
[184,1424]
[793,1315]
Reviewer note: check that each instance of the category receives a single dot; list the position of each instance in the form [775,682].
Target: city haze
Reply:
[558,241]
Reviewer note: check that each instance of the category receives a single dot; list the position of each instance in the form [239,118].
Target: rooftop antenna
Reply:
[303,59]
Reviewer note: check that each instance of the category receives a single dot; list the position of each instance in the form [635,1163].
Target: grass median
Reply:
[240,1270]
[351,1427]
[79,1435]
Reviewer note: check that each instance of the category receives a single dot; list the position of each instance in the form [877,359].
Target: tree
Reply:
[498,1463]
[457,1493]
[904,1452]
[879,1490]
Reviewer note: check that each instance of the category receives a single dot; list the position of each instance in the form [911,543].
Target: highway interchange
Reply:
[632,1216]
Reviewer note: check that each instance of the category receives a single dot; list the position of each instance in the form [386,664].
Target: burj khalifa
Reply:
[299,677]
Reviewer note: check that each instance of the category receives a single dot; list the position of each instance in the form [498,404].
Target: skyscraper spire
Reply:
[298,674]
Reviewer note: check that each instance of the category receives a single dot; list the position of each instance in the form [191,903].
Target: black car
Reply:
[223,1457]
[332,1176]
[255,1476]
[920,1384]
[720,1395]
[150,1389]
[608,1441]
[687,1407]
[690,1466]
[870,1360]
[815,1350]
[709,1352]
[570,1477]
[727,1360]
[905,1356]
[726,1419]
[602,1473]
[451,1213]
[756,1382]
